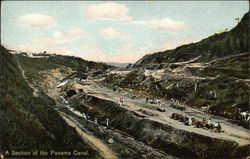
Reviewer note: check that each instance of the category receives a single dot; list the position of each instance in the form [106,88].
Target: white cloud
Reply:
[110,11]
[54,43]
[91,52]
[35,20]
[162,25]
[111,33]
[129,54]
[172,44]
[76,32]
[124,53]
[58,35]
[73,33]
[119,12]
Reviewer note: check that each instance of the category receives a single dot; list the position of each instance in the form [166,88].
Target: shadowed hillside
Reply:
[28,122]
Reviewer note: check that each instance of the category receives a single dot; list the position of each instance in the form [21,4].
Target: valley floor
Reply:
[134,102]
[125,145]
[231,131]
[96,135]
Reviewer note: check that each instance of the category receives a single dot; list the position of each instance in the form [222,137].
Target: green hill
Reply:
[33,65]
[30,123]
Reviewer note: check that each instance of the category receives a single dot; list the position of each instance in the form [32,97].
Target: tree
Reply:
[129,65]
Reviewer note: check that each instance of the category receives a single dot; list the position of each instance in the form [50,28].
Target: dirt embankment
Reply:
[165,137]
[195,87]
[170,139]
[95,143]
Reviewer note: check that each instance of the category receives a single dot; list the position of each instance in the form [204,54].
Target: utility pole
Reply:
[195,87]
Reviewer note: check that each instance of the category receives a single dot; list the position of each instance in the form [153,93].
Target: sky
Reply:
[113,31]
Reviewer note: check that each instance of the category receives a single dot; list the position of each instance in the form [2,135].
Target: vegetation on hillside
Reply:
[34,65]
[30,123]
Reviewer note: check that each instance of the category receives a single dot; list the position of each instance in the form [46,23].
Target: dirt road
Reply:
[231,132]
[95,143]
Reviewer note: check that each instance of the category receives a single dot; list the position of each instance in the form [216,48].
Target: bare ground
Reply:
[95,143]
[231,131]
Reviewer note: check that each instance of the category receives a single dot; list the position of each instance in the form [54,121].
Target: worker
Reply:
[160,103]
[121,100]
[189,121]
[172,100]
[107,122]
[204,121]
[95,120]
[84,116]
[219,127]
[209,121]
[177,102]
[209,124]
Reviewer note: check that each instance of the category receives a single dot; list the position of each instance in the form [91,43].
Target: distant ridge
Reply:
[116,64]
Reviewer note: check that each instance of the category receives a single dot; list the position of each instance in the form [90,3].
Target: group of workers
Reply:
[153,101]
[208,124]
[245,116]
[211,125]
[95,119]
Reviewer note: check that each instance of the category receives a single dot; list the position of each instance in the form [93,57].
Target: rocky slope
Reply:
[144,122]
[217,86]
[212,73]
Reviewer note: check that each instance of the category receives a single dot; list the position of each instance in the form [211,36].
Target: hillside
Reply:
[34,65]
[213,74]
[30,123]
[137,129]
[46,75]
[232,42]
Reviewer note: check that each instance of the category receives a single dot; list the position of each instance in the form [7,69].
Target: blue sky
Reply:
[113,31]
